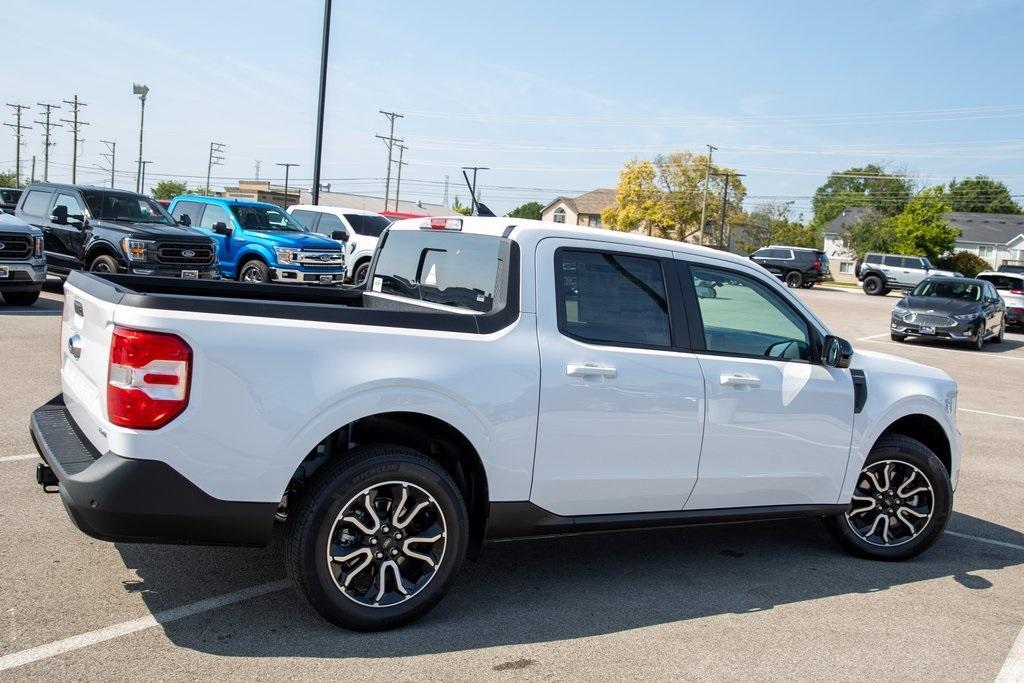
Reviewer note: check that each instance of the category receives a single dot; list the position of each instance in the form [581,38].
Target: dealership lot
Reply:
[764,601]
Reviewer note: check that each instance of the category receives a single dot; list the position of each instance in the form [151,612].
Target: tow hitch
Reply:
[46,478]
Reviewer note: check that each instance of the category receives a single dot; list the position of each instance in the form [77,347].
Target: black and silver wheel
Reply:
[794,279]
[979,338]
[377,540]
[901,502]
[359,276]
[872,285]
[897,337]
[254,272]
[103,264]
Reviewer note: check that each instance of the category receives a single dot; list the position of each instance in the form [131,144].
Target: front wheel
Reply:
[979,340]
[254,272]
[378,539]
[21,298]
[901,502]
[103,264]
[897,337]
[794,279]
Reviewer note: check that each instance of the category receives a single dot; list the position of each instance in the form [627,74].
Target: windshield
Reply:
[261,217]
[122,206]
[371,226]
[949,289]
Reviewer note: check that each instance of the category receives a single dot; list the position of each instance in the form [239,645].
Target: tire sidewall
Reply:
[109,261]
[257,265]
[794,279]
[872,285]
[362,269]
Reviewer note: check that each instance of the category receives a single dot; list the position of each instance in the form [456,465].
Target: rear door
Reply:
[913,270]
[622,400]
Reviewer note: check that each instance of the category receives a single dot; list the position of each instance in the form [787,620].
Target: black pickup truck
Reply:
[113,231]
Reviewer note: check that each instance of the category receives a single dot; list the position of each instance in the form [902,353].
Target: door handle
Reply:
[590,370]
[738,380]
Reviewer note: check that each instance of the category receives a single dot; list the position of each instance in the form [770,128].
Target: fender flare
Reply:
[865,273]
[102,246]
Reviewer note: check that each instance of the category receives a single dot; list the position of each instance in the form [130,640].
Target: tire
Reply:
[21,298]
[103,264]
[913,463]
[317,532]
[254,272]
[979,342]
[885,291]
[794,279]
[359,276]
[1002,333]
[897,337]
[873,285]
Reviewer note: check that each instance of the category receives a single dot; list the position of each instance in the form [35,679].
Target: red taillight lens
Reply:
[148,378]
[1017,291]
[817,264]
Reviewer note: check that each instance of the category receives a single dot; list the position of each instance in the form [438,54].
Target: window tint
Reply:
[451,268]
[873,258]
[36,202]
[743,316]
[371,226]
[329,223]
[612,298]
[895,261]
[1004,282]
[194,211]
[912,263]
[307,218]
[74,207]
[214,214]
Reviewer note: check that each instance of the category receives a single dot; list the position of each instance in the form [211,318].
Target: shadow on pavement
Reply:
[42,307]
[555,589]
[1010,343]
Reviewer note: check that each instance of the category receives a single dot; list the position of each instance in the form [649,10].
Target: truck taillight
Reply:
[1017,291]
[817,264]
[148,378]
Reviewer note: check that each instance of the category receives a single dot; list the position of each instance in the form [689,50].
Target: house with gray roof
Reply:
[582,210]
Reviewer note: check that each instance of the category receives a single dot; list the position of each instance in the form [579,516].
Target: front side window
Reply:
[307,218]
[212,215]
[125,207]
[369,226]
[265,217]
[743,316]
[612,298]
[913,263]
[71,203]
[191,209]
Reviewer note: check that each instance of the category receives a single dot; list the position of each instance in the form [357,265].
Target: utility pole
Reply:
[725,205]
[257,169]
[398,183]
[46,137]
[287,167]
[215,159]
[472,187]
[142,91]
[317,153]
[390,141]
[33,178]
[704,203]
[444,201]
[18,127]
[75,124]
[112,146]
[143,178]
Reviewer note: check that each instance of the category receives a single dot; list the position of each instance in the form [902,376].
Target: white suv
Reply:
[362,227]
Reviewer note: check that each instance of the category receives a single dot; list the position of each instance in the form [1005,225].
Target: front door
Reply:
[227,246]
[69,237]
[779,424]
[621,402]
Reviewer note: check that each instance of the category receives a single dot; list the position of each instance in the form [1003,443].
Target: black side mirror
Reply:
[185,220]
[59,215]
[837,352]
[339,235]
[221,228]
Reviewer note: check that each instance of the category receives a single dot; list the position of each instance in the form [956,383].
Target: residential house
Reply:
[582,210]
[995,237]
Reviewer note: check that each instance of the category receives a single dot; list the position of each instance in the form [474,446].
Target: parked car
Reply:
[514,378]
[955,308]
[1011,267]
[260,242]
[796,266]
[114,231]
[1010,287]
[9,199]
[882,273]
[363,230]
[22,263]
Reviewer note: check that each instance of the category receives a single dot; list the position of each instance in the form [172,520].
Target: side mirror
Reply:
[339,235]
[221,228]
[837,352]
[185,220]
[59,215]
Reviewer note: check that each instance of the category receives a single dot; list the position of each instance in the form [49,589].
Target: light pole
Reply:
[143,165]
[141,91]
[320,104]
[287,167]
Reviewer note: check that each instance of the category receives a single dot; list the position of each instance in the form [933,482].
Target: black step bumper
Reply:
[113,498]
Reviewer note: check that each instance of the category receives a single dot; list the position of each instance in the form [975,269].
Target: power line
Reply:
[390,141]
[398,183]
[18,127]
[215,159]
[47,124]
[75,129]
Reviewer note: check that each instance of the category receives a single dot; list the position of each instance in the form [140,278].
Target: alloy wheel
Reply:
[251,274]
[386,544]
[100,267]
[892,503]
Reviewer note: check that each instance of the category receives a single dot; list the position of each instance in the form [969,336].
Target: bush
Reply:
[964,262]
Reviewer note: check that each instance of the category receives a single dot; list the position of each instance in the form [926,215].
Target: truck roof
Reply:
[224,200]
[523,229]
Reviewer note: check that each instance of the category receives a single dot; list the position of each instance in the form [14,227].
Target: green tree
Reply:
[964,262]
[168,189]
[872,234]
[639,202]
[772,223]
[871,186]
[681,177]
[8,179]
[981,194]
[921,228]
[529,210]
[458,208]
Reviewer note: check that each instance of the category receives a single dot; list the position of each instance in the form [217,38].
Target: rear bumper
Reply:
[120,499]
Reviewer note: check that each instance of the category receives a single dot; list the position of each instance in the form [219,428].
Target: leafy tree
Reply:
[529,210]
[871,186]
[981,194]
[872,234]
[771,223]
[169,189]
[639,203]
[458,208]
[921,229]
[8,179]
[681,176]
[964,262]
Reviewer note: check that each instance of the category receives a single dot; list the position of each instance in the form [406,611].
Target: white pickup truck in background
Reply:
[495,378]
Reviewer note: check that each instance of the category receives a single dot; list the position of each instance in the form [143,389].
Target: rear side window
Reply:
[894,261]
[449,268]
[612,298]
[36,202]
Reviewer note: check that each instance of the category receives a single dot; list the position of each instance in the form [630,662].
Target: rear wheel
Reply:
[21,298]
[103,264]
[254,272]
[378,539]
[873,285]
[794,279]
[901,502]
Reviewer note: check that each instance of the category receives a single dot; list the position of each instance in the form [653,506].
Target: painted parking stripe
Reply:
[985,412]
[982,539]
[874,339]
[12,458]
[35,654]
[873,336]
[1013,667]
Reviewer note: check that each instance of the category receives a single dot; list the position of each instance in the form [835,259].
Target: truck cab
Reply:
[260,242]
[362,228]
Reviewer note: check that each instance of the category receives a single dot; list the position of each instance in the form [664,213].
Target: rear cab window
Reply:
[194,211]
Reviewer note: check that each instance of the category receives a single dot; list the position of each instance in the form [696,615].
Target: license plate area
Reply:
[326,279]
[927,329]
[5,272]
[190,275]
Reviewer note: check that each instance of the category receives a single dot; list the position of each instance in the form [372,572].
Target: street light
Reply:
[141,91]
[287,167]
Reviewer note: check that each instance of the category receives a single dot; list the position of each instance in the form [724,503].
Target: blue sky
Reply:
[553,96]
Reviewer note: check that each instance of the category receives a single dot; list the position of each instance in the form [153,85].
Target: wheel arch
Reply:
[102,248]
[925,429]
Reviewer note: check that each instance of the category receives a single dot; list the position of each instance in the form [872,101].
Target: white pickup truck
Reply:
[510,378]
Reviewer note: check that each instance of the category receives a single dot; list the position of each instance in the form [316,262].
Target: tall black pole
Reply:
[320,106]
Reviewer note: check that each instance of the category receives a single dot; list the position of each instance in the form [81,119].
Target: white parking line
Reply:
[1013,667]
[35,654]
[12,458]
[874,339]
[985,412]
[874,336]
[982,539]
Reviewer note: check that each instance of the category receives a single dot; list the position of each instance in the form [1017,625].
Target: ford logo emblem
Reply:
[326,257]
[2,245]
[188,253]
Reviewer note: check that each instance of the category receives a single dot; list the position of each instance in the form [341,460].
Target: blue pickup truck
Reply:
[259,242]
